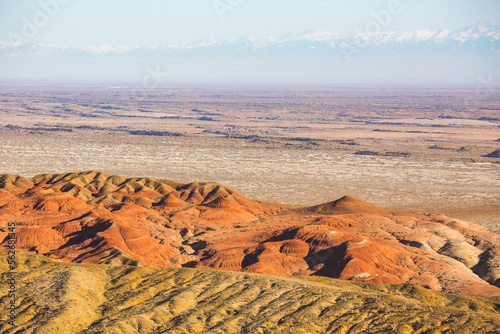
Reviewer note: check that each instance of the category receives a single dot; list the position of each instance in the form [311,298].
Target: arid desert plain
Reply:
[249,209]
[411,148]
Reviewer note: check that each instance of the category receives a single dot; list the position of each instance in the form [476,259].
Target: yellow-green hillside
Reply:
[58,297]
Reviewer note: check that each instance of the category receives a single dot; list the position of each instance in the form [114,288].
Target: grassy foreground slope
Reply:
[59,297]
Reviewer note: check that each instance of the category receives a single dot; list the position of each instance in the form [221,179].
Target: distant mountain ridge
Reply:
[481,37]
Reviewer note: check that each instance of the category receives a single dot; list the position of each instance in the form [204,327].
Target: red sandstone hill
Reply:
[95,217]
[346,205]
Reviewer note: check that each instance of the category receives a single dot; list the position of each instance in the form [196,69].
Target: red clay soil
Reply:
[94,217]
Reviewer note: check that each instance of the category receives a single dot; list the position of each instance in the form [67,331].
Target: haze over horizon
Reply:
[222,41]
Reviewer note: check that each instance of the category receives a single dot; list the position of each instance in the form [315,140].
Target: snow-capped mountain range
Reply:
[482,37]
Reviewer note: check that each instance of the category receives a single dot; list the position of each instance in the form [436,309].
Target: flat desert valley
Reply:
[411,148]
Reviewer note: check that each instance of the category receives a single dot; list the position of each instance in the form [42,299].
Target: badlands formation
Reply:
[93,217]
[74,298]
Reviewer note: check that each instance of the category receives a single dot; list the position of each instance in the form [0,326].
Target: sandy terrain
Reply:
[93,217]
[420,148]
[429,149]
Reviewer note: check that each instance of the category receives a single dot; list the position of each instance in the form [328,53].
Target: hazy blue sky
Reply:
[83,23]
[86,23]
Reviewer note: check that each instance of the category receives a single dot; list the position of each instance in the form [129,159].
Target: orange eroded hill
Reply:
[94,217]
